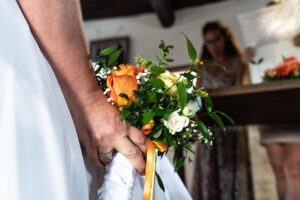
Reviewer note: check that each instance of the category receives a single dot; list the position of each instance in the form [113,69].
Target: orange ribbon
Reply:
[150,171]
[151,161]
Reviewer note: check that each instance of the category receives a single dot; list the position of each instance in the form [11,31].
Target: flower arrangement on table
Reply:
[165,106]
[288,69]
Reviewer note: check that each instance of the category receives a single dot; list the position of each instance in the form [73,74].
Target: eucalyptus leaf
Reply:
[114,57]
[108,50]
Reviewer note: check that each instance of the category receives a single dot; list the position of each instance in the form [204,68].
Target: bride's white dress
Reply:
[40,155]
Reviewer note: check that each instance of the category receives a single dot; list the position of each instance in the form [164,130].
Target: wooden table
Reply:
[266,103]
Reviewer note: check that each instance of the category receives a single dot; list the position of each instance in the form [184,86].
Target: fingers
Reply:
[138,139]
[105,156]
[92,154]
[131,152]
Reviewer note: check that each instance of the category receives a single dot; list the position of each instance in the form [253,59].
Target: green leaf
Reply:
[157,83]
[123,95]
[260,61]
[124,114]
[188,147]
[114,57]
[168,137]
[157,70]
[191,49]
[158,133]
[226,116]
[203,128]
[182,94]
[208,104]
[179,163]
[201,74]
[97,70]
[160,182]
[217,119]
[169,60]
[211,62]
[147,117]
[108,50]
[188,75]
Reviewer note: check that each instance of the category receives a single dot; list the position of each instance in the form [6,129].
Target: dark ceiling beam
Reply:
[164,11]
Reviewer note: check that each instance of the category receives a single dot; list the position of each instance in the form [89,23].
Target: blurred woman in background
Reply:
[223,170]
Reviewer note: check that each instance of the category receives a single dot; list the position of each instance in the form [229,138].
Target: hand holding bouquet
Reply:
[165,106]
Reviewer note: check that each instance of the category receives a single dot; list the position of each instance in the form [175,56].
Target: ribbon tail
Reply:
[150,172]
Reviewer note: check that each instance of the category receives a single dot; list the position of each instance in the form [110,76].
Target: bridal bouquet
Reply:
[165,106]
[288,69]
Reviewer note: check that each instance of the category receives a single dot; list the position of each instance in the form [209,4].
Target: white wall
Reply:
[145,32]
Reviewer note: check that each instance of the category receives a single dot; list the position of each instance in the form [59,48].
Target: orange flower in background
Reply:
[289,65]
[123,81]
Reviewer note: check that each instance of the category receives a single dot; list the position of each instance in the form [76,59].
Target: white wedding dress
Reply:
[40,155]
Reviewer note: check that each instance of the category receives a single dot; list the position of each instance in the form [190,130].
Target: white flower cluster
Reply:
[110,100]
[103,73]
[205,140]
[142,77]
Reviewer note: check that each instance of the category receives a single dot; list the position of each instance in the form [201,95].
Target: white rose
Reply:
[176,122]
[191,109]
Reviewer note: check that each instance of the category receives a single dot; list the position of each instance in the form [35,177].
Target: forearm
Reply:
[57,27]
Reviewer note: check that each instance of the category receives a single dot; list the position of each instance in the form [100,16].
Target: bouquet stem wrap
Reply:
[118,181]
[120,177]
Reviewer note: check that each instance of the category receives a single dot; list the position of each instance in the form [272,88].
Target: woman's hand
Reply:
[62,42]
[101,131]
[248,55]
